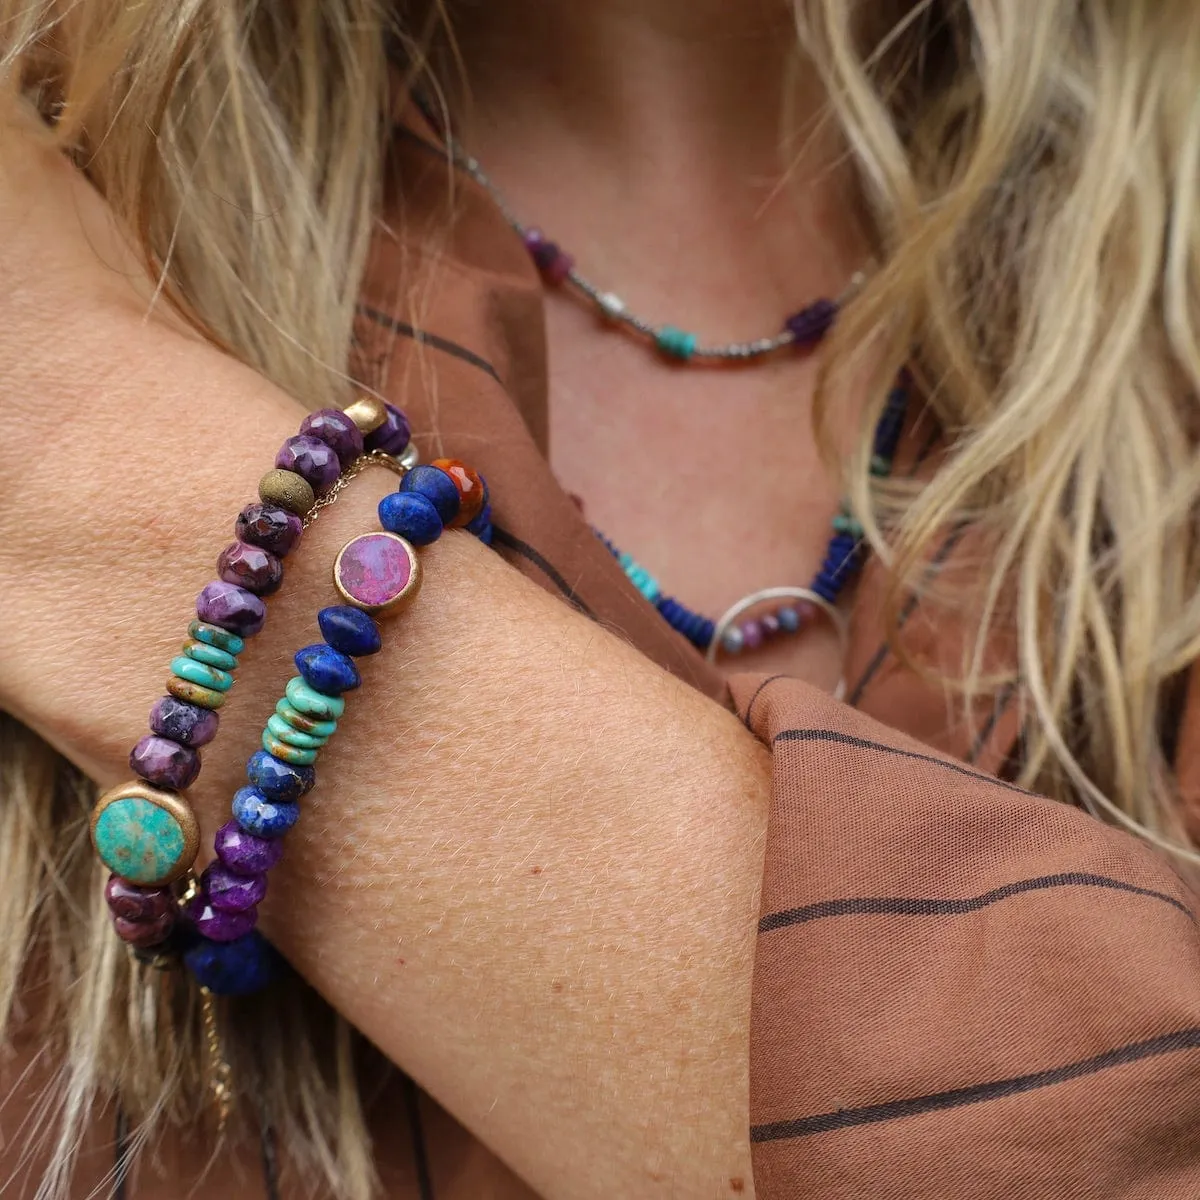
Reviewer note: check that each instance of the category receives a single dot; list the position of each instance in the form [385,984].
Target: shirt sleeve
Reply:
[961,990]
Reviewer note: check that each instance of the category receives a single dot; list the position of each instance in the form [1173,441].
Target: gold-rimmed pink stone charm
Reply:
[377,572]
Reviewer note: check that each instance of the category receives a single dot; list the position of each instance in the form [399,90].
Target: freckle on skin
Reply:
[536,871]
[556,986]
[737,1184]
[400,962]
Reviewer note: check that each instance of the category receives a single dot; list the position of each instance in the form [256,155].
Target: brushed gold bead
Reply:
[367,413]
[288,490]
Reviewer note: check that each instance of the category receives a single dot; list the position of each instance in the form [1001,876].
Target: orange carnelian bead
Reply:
[471,491]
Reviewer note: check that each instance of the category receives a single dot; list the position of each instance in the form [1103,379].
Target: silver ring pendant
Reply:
[730,617]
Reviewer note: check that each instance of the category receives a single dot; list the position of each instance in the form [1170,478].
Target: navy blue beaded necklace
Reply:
[802,332]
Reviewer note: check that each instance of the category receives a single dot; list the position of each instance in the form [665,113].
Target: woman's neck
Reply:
[634,80]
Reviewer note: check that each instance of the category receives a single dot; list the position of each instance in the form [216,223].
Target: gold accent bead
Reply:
[288,490]
[367,413]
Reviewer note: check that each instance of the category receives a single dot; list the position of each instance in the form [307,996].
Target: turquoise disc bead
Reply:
[214,635]
[312,703]
[676,343]
[290,754]
[297,720]
[144,843]
[285,733]
[210,656]
[196,672]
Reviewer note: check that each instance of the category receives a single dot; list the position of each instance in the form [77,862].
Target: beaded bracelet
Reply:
[376,574]
[145,831]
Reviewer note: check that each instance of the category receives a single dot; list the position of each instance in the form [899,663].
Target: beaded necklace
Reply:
[733,632]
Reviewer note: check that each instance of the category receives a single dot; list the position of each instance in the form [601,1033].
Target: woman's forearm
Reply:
[530,870]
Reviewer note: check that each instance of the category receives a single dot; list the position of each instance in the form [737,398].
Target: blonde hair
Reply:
[1028,173]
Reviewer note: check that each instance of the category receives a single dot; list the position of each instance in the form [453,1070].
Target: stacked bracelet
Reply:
[144,830]
[376,574]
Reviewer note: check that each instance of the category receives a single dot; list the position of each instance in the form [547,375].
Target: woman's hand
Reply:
[530,870]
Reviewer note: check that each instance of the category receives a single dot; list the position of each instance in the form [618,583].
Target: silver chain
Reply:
[610,306]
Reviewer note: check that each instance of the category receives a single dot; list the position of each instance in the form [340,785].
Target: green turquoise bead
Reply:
[210,656]
[845,523]
[676,343]
[214,635]
[297,720]
[881,467]
[139,841]
[285,733]
[196,672]
[290,754]
[313,703]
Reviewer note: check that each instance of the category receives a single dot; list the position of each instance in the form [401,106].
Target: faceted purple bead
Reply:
[312,460]
[811,324]
[393,436]
[243,853]
[274,529]
[144,934]
[164,762]
[752,634]
[337,431]
[232,893]
[218,925]
[135,903]
[182,722]
[231,607]
[251,567]
[770,625]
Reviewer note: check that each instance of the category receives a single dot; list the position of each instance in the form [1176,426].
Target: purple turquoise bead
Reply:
[251,567]
[143,917]
[231,607]
[237,968]
[393,436]
[552,261]
[810,325]
[267,525]
[231,892]
[312,459]
[243,853]
[337,431]
[188,724]
[752,634]
[771,625]
[164,762]
[218,925]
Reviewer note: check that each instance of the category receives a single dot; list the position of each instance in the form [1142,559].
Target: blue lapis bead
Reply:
[412,516]
[237,968]
[279,780]
[262,817]
[486,535]
[327,670]
[437,487]
[789,619]
[481,522]
[349,630]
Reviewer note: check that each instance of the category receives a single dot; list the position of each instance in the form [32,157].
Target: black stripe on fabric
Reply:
[845,739]
[920,906]
[910,606]
[412,1102]
[999,708]
[847,1118]
[543,564]
[758,692]
[395,325]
